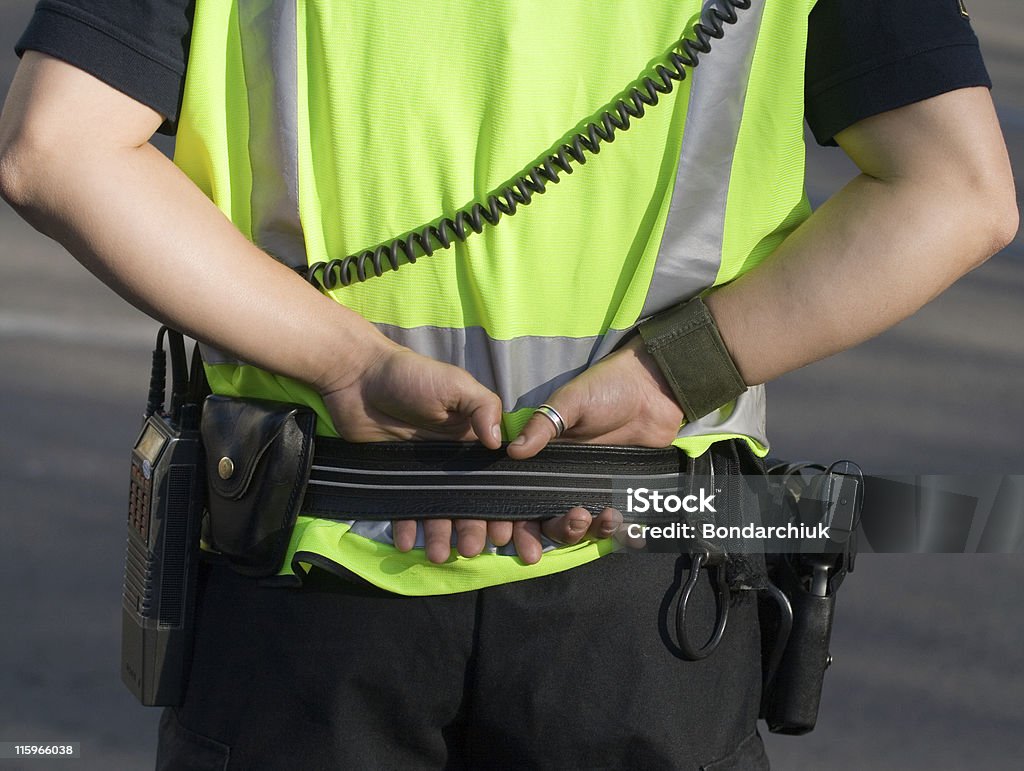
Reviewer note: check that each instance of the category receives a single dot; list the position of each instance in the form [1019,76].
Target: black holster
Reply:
[796,610]
[794,672]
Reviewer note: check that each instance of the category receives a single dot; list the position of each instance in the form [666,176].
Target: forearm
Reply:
[137,222]
[133,219]
[871,256]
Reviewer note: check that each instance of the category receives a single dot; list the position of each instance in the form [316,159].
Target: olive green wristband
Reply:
[685,343]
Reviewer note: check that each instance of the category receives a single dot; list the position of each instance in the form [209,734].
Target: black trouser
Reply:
[574,670]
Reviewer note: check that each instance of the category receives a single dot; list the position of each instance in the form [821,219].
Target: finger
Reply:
[471,536]
[526,536]
[540,429]
[437,537]
[569,528]
[483,408]
[610,523]
[606,524]
[404,534]
[486,421]
[534,437]
[499,532]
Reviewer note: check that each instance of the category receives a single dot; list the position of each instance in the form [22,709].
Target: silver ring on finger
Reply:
[554,416]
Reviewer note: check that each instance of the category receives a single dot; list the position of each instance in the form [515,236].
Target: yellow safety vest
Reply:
[325,128]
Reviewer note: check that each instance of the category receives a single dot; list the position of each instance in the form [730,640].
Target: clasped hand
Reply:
[400,394]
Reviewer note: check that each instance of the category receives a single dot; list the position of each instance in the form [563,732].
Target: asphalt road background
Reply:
[929,669]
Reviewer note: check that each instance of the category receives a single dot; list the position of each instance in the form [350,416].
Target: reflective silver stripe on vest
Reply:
[523,371]
[691,246]
[509,368]
[270,61]
[269,45]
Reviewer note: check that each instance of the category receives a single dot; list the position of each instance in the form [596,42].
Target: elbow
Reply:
[1006,219]
[993,215]
[996,211]
[20,168]
[33,161]
[11,175]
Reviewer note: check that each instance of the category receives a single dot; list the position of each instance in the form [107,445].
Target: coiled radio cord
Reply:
[520,191]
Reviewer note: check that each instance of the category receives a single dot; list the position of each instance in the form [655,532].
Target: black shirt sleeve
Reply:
[868,56]
[139,47]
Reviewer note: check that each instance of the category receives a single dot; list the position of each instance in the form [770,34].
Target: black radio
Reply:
[164,514]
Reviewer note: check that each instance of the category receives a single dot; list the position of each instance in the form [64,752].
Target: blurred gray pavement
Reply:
[929,649]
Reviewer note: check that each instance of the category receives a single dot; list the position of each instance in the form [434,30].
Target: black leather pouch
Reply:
[258,457]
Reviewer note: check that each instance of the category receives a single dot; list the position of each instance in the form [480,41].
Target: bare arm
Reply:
[935,198]
[76,163]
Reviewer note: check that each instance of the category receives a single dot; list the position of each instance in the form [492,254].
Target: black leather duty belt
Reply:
[398,480]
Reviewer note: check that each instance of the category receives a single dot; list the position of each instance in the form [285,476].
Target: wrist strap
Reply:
[685,343]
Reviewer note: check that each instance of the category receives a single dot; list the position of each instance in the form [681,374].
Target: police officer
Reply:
[298,139]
